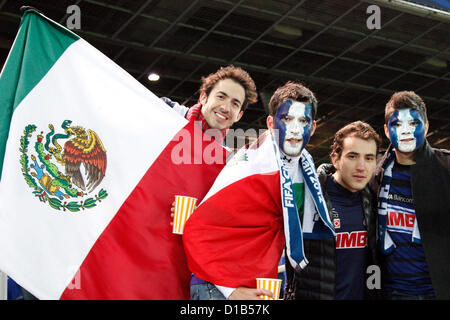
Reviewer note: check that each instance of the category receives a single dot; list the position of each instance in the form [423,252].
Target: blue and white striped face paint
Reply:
[294,122]
[406,130]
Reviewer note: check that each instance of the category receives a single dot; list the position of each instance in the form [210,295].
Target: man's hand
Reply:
[243,293]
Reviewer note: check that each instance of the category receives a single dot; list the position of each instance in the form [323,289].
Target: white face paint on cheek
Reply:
[294,130]
[405,132]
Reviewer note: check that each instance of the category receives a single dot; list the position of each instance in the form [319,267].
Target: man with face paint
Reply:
[413,186]
[293,108]
[292,111]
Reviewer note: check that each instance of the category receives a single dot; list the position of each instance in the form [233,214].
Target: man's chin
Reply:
[292,152]
[217,125]
[407,147]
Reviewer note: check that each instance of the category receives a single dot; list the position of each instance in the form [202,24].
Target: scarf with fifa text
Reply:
[314,208]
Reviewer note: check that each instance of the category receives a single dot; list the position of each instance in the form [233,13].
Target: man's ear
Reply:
[241,113]
[203,98]
[427,125]
[386,131]
[313,128]
[269,122]
[334,160]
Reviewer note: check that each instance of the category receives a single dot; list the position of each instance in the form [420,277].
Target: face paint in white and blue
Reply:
[407,130]
[294,122]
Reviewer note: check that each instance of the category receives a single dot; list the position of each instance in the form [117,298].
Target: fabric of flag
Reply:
[238,232]
[90,163]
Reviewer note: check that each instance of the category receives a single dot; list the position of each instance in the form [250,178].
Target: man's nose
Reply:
[225,106]
[361,165]
[295,128]
[406,129]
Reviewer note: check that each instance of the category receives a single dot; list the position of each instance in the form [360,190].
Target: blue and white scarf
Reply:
[314,207]
[386,241]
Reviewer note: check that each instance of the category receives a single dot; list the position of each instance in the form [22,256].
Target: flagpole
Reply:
[3,286]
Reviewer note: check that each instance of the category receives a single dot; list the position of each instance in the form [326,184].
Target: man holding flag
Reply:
[236,234]
[85,152]
[224,96]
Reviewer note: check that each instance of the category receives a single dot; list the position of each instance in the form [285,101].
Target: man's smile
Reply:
[220,115]
[294,141]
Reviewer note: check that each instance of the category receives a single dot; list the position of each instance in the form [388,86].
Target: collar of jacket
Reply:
[421,155]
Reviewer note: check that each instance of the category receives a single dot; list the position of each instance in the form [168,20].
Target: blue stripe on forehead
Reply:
[283,109]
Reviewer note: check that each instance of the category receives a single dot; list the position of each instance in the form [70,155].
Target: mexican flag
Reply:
[236,234]
[251,213]
[90,164]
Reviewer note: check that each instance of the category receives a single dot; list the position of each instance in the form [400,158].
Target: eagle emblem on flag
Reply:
[53,166]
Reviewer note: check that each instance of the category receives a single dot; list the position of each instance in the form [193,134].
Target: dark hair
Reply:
[358,129]
[236,74]
[405,100]
[294,91]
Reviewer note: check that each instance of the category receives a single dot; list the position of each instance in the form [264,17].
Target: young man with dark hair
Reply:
[224,96]
[337,264]
[412,183]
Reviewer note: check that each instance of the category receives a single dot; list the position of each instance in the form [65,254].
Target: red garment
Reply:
[236,235]
[137,256]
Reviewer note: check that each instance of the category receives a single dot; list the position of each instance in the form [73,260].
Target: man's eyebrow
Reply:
[356,153]
[225,94]
[222,92]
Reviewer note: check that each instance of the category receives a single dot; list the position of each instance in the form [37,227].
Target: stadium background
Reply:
[325,44]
